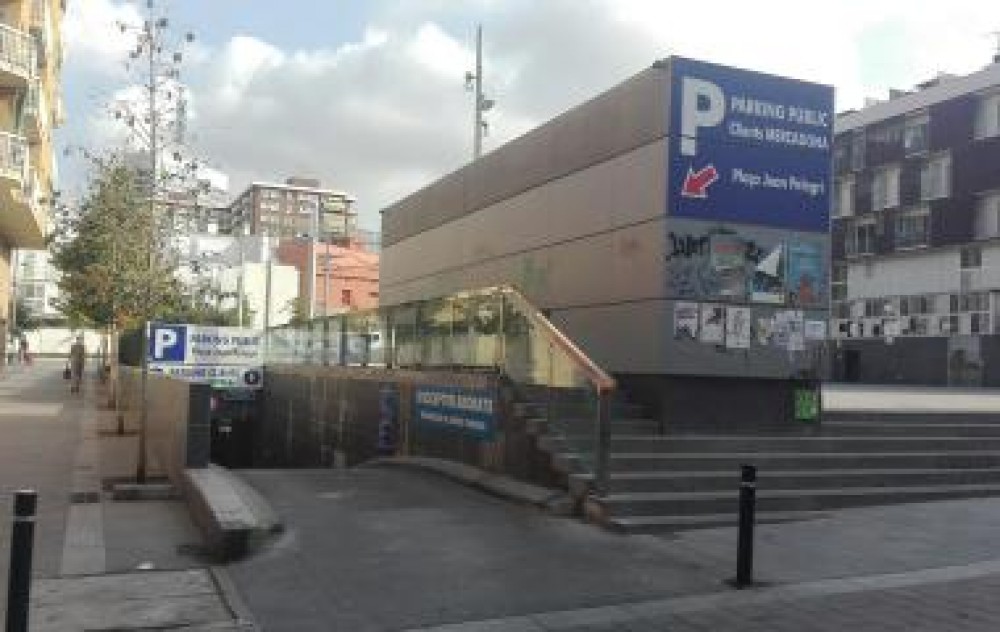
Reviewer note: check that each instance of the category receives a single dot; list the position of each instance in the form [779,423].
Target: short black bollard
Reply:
[744,545]
[19,576]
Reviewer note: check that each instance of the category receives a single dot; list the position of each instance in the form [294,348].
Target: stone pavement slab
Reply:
[176,600]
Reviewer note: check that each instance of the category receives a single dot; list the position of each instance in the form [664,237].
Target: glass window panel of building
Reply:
[935,177]
[988,116]
[987,220]
[885,188]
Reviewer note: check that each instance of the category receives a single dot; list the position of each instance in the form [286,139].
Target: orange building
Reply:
[345,277]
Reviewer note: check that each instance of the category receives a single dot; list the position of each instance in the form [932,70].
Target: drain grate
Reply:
[84,498]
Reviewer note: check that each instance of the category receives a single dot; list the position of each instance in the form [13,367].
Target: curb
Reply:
[556,502]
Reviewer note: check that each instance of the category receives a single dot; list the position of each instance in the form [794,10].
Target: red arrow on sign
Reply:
[696,182]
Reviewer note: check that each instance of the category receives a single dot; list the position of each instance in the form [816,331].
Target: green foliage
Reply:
[110,253]
[299,309]
[25,319]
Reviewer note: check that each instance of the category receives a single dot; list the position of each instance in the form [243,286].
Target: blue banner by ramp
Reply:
[466,410]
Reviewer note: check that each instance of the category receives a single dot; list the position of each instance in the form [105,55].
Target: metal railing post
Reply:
[19,575]
[602,453]
[744,544]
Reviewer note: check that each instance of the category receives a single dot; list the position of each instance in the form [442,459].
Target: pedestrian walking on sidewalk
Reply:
[77,356]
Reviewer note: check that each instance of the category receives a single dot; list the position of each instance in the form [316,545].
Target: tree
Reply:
[114,268]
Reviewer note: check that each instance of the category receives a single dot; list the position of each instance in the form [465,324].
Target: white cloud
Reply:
[386,113]
[91,36]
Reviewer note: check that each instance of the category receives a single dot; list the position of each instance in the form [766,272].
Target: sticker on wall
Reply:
[767,285]
[815,330]
[796,330]
[765,331]
[806,274]
[685,320]
[738,327]
[713,324]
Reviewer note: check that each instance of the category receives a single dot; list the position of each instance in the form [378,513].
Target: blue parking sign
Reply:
[167,343]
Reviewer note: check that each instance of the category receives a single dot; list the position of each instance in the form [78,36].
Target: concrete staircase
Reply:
[665,482]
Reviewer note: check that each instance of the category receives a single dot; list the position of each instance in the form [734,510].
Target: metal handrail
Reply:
[598,377]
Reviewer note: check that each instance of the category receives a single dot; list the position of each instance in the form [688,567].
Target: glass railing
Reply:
[495,329]
[17,51]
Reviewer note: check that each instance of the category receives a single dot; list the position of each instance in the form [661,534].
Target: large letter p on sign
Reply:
[702,105]
[163,339]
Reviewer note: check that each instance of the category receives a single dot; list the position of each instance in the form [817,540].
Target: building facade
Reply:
[916,235]
[676,228]
[346,276]
[30,108]
[299,207]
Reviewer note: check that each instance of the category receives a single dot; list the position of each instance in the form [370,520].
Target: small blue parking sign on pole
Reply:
[167,343]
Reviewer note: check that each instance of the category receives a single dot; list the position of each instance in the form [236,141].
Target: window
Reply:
[911,229]
[971,302]
[987,222]
[842,310]
[860,239]
[885,188]
[988,116]
[875,307]
[971,257]
[345,297]
[841,156]
[843,198]
[838,282]
[858,150]
[949,324]
[915,134]
[980,323]
[935,177]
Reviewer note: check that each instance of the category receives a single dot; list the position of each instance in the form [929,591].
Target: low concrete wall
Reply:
[178,422]
[308,414]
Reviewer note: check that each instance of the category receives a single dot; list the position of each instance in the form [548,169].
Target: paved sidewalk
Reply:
[393,549]
[99,564]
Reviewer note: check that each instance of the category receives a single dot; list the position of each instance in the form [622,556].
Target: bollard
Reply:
[19,576]
[744,545]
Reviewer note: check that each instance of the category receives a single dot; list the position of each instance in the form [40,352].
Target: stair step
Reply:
[701,443]
[895,416]
[888,429]
[714,502]
[659,524]
[678,481]
[636,461]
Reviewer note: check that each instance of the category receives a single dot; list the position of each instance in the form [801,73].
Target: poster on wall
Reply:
[713,324]
[767,283]
[765,330]
[726,259]
[815,330]
[806,274]
[796,330]
[738,327]
[685,320]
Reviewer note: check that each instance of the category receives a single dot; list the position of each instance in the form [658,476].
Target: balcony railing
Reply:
[13,156]
[17,52]
[35,112]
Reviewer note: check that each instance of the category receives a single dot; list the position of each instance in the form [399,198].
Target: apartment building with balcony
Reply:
[915,280]
[31,57]
[298,207]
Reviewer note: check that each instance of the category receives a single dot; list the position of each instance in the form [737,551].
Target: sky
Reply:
[369,96]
